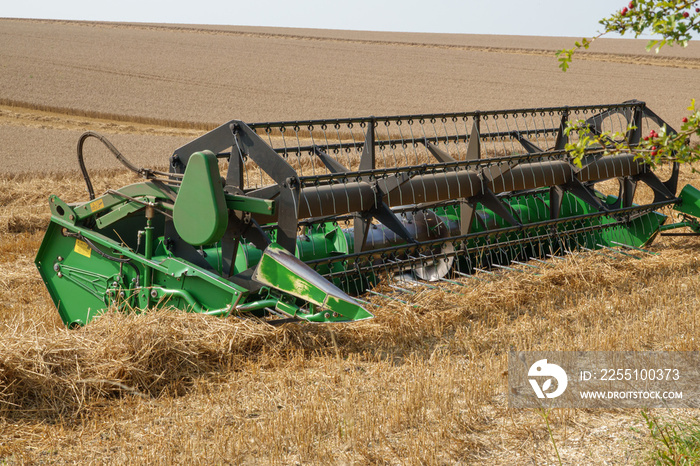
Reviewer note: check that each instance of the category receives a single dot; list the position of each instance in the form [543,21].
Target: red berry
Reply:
[697,10]
[631,5]
[646,138]
[653,153]
[684,120]
[686,14]
[624,11]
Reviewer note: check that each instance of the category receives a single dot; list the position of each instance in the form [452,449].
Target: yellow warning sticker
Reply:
[97,205]
[81,247]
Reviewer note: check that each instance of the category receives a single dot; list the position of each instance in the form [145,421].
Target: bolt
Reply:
[327,315]
[56,267]
[59,259]
[154,294]
[60,275]
[71,216]
[122,295]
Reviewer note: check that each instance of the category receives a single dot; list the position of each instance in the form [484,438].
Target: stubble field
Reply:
[423,383]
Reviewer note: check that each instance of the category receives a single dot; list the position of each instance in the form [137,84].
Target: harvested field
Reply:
[422,383]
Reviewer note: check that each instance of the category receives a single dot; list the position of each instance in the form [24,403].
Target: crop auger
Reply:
[311,213]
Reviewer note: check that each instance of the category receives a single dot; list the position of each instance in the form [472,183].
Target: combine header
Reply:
[311,213]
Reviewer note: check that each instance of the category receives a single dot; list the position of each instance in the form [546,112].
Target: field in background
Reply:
[189,77]
[420,383]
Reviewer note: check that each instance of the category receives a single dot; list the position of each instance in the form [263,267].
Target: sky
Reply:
[577,18]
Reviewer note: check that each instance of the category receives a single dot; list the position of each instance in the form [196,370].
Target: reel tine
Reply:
[403,290]
[627,246]
[510,269]
[598,253]
[453,282]
[525,264]
[607,248]
[534,259]
[376,293]
[471,277]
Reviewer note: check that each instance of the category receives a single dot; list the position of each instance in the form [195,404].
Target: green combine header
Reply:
[309,215]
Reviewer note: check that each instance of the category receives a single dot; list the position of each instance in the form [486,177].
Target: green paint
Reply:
[280,270]
[250,204]
[690,204]
[200,214]
[84,287]
[106,202]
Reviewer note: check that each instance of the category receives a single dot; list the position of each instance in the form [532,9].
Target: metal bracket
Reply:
[367,159]
[474,144]
[236,167]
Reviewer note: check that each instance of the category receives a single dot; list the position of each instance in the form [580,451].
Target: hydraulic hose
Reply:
[110,146]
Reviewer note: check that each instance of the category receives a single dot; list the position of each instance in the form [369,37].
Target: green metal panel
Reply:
[200,213]
[690,201]
[84,283]
[280,270]
[108,201]
[76,277]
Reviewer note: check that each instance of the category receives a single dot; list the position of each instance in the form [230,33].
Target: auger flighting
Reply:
[311,213]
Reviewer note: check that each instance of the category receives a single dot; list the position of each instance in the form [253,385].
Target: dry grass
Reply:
[421,384]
